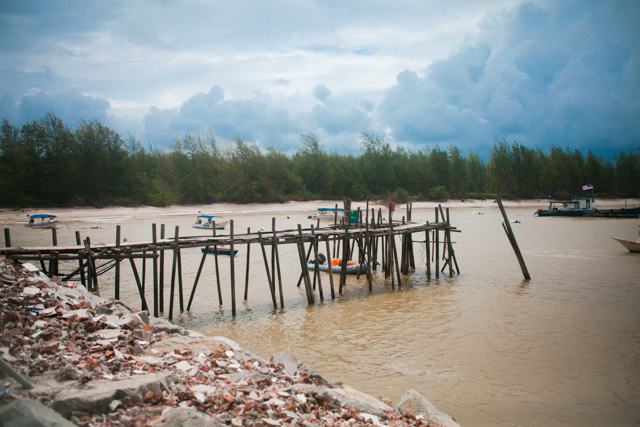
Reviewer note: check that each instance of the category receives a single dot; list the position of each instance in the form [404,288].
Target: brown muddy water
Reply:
[485,346]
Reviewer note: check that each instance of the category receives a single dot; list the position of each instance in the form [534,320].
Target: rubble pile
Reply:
[98,363]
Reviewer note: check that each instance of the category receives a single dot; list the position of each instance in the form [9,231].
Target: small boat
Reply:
[327,213]
[220,251]
[42,221]
[337,269]
[205,222]
[632,246]
[585,207]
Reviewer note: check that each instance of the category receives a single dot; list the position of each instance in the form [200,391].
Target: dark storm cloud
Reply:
[566,75]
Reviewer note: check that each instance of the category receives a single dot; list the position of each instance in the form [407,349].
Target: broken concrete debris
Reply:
[96,363]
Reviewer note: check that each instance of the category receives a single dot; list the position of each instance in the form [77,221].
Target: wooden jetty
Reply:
[374,237]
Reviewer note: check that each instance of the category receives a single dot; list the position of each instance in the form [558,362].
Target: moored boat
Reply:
[585,207]
[631,246]
[205,222]
[42,221]
[220,251]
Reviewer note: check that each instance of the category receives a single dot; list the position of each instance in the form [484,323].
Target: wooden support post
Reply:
[412,260]
[345,257]
[7,237]
[53,264]
[512,239]
[277,260]
[335,223]
[333,292]
[303,264]
[140,289]
[266,267]
[93,275]
[173,272]
[428,247]
[195,282]
[215,257]
[161,290]
[395,257]
[180,293]
[117,282]
[314,242]
[82,279]
[389,250]
[437,246]
[246,280]
[233,271]
[154,239]
[144,271]
[306,260]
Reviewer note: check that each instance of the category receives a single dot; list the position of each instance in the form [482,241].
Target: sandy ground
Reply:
[13,215]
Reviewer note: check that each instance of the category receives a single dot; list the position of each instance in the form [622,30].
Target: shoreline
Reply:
[96,362]
[19,215]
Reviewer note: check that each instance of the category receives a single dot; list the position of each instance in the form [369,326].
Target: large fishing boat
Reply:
[585,206]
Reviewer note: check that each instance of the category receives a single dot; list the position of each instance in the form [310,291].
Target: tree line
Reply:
[47,163]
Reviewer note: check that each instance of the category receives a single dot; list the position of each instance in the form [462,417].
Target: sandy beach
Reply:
[19,215]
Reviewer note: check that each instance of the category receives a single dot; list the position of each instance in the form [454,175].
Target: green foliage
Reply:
[46,162]
[438,193]
[400,196]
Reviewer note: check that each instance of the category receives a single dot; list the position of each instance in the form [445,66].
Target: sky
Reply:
[415,73]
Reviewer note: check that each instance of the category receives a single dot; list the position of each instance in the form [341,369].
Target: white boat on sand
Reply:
[42,221]
[205,222]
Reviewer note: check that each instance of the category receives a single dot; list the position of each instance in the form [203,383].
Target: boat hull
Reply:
[48,225]
[631,246]
[600,213]
[220,251]
[209,226]
[337,269]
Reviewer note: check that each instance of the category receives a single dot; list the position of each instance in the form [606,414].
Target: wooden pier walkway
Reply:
[375,240]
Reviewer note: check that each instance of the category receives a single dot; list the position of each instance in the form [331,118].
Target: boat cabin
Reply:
[578,203]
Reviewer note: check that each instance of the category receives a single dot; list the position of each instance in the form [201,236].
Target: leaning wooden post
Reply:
[333,292]
[155,270]
[215,257]
[246,280]
[266,267]
[195,282]
[512,238]
[395,257]
[140,288]
[173,272]
[306,260]
[82,280]
[314,242]
[452,253]
[233,272]
[303,264]
[277,261]
[161,290]
[437,246]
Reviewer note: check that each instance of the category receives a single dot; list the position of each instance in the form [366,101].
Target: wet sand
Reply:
[19,215]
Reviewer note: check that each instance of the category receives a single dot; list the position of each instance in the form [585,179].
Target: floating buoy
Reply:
[94,226]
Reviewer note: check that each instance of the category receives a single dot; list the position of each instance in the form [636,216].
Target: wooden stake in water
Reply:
[512,239]
[215,257]
[266,267]
[246,280]
[233,272]
[155,270]
[82,280]
[161,290]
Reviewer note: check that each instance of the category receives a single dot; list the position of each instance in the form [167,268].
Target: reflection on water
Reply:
[485,346]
